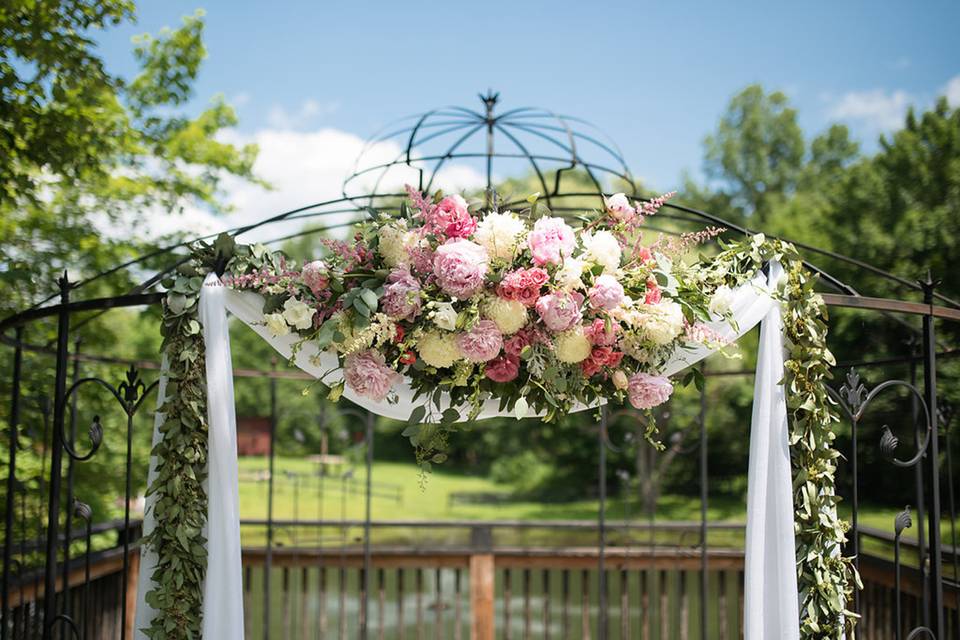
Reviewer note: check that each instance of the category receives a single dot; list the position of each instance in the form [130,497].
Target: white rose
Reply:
[394,241]
[276,324]
[603,248]
[722,301]
[509,315]
[662,323]
[500,234]
[444,316]
[298,313]
[568,276]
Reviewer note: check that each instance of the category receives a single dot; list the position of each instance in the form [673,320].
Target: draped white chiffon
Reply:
[771,599]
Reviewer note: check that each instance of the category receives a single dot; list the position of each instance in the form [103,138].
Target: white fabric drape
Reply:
[771,597]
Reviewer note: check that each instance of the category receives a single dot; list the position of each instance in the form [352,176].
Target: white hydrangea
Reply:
[661,323]
[276,324]
[438,349]
[603,248]
[722,300]
[394,242]
[500,234]
[568,276]
[509,315]
[572,346]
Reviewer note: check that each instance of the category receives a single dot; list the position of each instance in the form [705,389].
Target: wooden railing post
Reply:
[481,596]
[132,577]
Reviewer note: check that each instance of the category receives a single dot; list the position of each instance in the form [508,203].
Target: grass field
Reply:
[400,494]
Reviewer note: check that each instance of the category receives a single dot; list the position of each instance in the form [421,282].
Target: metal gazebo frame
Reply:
[553,147]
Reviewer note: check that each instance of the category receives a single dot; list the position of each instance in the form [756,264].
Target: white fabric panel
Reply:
[223,587]
[771,599]
[771,587]
[148,558]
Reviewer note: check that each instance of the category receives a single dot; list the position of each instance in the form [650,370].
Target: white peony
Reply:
[509,315]
[661,323]
[722,301]
[603,248]
[298,313]
[394,242]
[444,315]
[568,276]
[276,324]
[500,234]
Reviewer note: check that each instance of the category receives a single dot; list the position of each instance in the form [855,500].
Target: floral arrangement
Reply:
[519,306]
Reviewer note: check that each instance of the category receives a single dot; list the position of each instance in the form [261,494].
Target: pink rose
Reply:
[367,374]
[646,391]
[606,293]
[482,343]
[600,357]
[529,335]
[550,241]
[401,296]
[653,292]
[503,369]
[451,218]
[619,207]
[598,334]
[645,254]
[560,311]
[523,285]
[460,267]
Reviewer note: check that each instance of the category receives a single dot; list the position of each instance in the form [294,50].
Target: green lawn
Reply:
[400,495]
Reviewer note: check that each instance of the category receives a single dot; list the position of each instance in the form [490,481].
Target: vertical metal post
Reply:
[918,470]
[703,504]
[68,521]
[268,561]
[930,387]
[56,456]
[365,601]
[11,479]
[602,621]
[855,499]
[489,101]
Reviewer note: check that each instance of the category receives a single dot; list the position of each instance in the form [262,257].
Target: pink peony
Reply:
[367,374]
[401,296]
[523,285]
[451,218]
[503,369]
[560,310]
[460,266]
[550,241]
[606,293]
[653,292]
[482,343]
[646,391]
[598,333]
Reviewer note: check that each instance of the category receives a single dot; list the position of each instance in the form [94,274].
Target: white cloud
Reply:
[310,110]
[304,168]
[952,91]
[876,109]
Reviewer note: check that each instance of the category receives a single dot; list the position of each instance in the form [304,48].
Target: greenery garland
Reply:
[180,501]
[825,577]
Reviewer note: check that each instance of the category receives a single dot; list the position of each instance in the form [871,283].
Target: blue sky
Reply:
[656,77]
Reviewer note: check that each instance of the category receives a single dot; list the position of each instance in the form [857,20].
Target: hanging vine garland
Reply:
[470,307]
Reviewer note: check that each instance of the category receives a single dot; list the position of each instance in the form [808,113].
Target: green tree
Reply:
[89,156]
